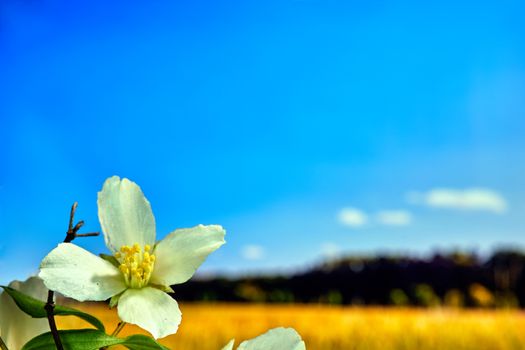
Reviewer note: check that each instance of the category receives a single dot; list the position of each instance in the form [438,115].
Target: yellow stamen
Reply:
[136,264]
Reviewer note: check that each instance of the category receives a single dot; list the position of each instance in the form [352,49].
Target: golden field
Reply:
[210,326]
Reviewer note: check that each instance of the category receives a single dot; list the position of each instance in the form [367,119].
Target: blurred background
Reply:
[367,159]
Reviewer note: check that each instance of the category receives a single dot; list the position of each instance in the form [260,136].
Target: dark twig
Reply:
[50,306]
[91,234]
[2,345]
[71,234]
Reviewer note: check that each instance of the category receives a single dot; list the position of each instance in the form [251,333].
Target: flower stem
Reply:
[50,306]
[117,330]
[71,234]
[2,344]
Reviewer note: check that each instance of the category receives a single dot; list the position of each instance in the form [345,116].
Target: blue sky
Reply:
[305,128]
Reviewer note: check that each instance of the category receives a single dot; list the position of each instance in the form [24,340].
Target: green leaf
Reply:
[142,342]
[31,306]
[91,339]
[67,311]
[35,308]
[75,339]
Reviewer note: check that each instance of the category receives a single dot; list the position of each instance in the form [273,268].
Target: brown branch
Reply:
[71,234]
[91,234]
[50,306]
[2,345]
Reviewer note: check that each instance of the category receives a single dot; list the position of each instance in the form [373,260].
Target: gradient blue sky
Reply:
[268,117]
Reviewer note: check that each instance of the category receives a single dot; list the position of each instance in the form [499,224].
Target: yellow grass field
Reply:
[210,326]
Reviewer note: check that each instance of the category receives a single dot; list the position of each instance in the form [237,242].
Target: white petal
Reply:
[150,309]
[229,346]
[125,214]
[183,251]
[275,339]
[17,328]
[78,274]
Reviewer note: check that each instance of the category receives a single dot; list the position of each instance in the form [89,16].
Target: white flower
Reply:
[145,269]
[17,328]
[275,339]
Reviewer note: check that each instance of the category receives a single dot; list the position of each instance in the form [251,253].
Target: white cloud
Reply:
[252,252]
[330,250]
[352,217]
[394,217]
[481,199]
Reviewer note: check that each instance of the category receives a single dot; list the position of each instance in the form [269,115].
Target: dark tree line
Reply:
[455,279]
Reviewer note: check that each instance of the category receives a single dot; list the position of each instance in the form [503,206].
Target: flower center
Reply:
[135,264]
